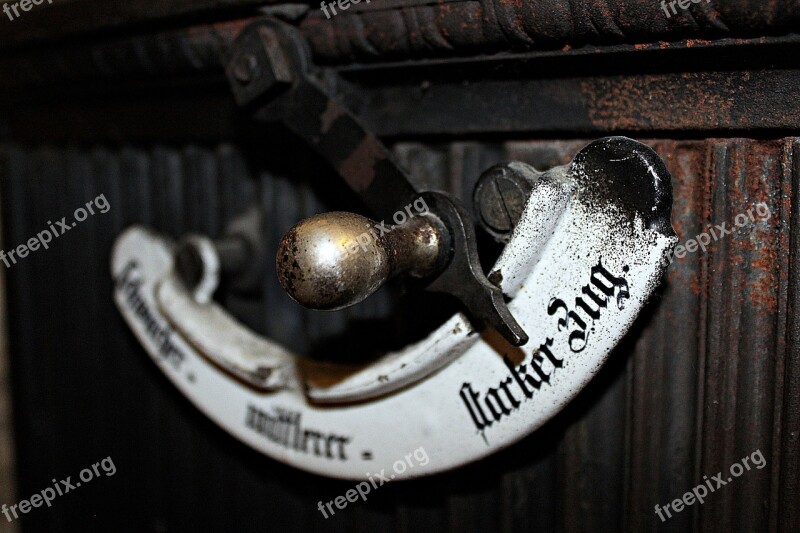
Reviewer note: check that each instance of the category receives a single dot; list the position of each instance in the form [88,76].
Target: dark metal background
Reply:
[710,373]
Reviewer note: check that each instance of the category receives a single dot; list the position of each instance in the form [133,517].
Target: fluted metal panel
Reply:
[7,478]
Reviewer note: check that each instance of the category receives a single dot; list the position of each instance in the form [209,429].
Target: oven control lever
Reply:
[271,74]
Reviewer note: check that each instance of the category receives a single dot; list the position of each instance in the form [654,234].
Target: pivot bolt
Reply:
[500,196]
[246,69]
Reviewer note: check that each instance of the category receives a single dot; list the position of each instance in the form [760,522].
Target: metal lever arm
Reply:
[270,71]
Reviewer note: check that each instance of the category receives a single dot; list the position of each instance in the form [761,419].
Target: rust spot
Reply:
[502,347]
[619,102]
[359,167]
[332,112]
[763,291]
[322,375]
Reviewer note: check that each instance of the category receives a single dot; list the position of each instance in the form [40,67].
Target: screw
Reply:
[500,197]
[246,69]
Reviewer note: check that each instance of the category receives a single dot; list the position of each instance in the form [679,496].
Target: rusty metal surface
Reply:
[732,366]
[388,29]
[173,84]
[486,26]
[565,99]
[708,375]
[747,81]
[379,32]
[410,103]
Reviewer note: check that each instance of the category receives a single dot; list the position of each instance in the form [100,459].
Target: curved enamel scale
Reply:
[583,260]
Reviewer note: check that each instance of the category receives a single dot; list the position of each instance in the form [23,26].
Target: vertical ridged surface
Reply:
[708,375]
[7,482]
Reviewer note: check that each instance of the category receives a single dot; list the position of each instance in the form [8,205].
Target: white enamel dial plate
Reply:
[580,266]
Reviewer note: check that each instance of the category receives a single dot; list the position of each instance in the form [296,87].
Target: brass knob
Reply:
[334,260]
